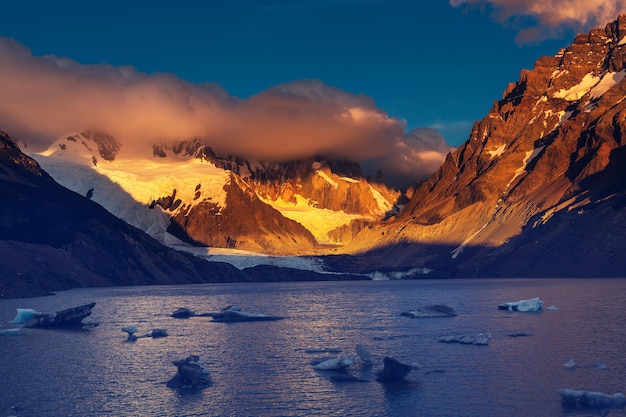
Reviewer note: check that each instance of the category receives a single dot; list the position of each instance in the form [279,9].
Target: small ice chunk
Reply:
[599,366]
[534,304]
[471,339]
[156,333]
[336,363]
[571,364]
[131,330]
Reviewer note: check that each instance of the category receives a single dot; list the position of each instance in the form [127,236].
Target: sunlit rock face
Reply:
[551,146]
[245,222]
[184,192]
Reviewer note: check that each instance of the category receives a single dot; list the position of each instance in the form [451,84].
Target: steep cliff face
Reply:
[553,144]
[244,222]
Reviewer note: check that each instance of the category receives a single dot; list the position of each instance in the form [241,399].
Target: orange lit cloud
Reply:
[550,16]
[44,98]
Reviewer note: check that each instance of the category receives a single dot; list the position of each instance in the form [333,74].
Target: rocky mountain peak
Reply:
[108,146]
[11,156]
[551,145]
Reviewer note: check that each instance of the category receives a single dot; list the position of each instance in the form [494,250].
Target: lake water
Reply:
[263,368]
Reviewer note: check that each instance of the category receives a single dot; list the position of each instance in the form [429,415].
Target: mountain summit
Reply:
[184,193]
[538,188]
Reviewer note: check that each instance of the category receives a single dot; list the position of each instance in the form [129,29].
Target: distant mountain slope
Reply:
[184,192]
[52,238]
[523,196]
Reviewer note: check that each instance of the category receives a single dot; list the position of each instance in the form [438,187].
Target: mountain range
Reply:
[537,190]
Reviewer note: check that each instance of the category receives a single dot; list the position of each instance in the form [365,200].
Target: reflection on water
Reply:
[263,368]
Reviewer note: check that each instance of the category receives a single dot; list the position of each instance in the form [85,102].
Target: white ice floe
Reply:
[336,363]
[533,305]
[480,339]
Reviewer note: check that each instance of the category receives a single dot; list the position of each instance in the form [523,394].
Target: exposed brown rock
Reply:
[549,146]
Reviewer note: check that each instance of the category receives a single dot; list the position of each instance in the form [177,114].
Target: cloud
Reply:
[538,20]
[421,153]
[44,98]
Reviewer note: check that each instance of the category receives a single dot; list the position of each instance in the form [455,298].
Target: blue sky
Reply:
[427,63]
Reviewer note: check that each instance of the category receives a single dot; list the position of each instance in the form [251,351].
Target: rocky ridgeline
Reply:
[338,186]
[247,222]
[551,147]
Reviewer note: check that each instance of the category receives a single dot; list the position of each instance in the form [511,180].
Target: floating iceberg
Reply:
[437,310]
[534,304]
[156,333]
[394,370]
[132,329]
[471,339]
[591,399]
[183,313]
[571,364]
[71,317]
[191,374]
[234,314]
[228,314]
[335,364]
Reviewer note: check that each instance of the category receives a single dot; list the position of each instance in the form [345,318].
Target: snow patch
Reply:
[318,221]
[592,84]
[328,179]
[579,90]
[497,152]
[383,204]
[609,80]
[348,179]
[530,155]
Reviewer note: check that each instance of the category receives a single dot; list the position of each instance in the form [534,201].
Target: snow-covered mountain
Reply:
[184,193]
[538,189]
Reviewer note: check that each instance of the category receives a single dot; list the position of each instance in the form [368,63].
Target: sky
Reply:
[393,84]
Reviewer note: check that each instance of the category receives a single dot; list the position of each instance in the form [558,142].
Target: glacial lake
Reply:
[264,369]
